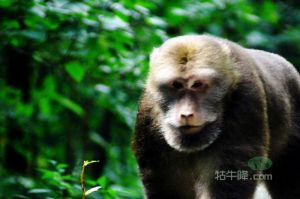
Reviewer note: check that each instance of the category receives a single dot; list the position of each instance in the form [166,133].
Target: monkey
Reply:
[210,105]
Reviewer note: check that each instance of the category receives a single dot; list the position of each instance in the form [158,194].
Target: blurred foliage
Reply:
[72,71]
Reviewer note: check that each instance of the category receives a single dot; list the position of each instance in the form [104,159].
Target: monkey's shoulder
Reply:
[272,63]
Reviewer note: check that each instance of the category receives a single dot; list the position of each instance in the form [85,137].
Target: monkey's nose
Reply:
[187,116]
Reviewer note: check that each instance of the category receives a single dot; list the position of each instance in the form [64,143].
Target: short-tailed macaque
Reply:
[210,105]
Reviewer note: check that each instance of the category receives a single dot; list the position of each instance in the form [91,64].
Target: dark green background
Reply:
[71,72]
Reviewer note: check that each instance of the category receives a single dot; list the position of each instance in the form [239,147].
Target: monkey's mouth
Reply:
[193,138]
[190,129]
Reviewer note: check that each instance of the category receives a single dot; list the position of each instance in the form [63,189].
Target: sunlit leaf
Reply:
[156,21]
[113,23]
[92,190]
[39,191]
[256,38]
[39,10]
[102,88]
[34,35]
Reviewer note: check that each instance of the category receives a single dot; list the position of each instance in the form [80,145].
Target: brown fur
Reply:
[259,116]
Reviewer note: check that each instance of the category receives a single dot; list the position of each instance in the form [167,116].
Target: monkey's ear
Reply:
[154,54]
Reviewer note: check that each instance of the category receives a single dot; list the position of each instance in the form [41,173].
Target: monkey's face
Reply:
[191,109]
[188,82]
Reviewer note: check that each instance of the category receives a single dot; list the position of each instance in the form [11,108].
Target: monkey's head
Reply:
[188,80]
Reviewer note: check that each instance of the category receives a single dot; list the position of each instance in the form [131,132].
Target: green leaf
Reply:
[75,70]
[269,12]
[34,35]
[5,3]
[10,24]
[103,181]
[98,139]
[69,104]
[49,84]
[44,105]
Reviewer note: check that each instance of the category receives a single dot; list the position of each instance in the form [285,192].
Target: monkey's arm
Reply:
[233,189]
[160,166]
[245,135]
[237,181]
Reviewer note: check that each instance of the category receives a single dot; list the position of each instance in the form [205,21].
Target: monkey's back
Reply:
[282,88]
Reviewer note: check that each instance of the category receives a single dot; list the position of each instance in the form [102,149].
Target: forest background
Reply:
[72,71]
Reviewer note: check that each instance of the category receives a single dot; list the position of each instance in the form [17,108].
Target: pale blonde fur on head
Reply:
[185,55]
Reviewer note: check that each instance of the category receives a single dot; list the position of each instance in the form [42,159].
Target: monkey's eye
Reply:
[177,85]
[198,85]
